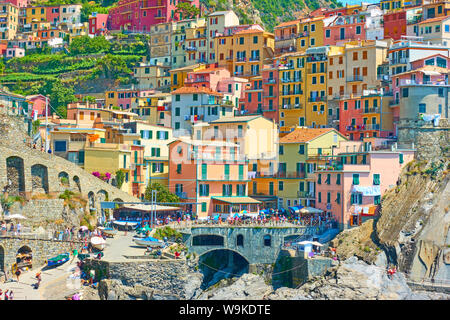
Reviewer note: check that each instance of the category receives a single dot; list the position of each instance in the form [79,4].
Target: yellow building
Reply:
[69,143]
[291,90]
[310,33]
[390,5]
[264,184]
[154,109]
[179,75]
[36,14]
[316,87]
[9,16]
[196,44]
[256,135]
[298,153]
[152,75]
[245,52]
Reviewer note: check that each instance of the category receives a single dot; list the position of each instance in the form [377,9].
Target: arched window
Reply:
[267,240]
[240,240]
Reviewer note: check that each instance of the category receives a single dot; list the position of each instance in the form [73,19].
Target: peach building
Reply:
[350,185]
[211,175]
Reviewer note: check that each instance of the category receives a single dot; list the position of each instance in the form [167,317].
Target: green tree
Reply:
[87,45]
[35,126]
[120,178]
[187,11]
[112,67]
[60,96]
[163,195]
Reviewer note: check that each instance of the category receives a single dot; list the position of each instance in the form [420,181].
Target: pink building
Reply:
[14,52]
[350,185]
[38,102]
[98,23]
[134,15]
[19,3]
[344,28]
[210,173]
[209,77]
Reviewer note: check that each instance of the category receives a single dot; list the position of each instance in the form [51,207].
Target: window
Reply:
[267,240]
[240,240]
[60,146]
[338,197]
[301,149]
[355,178]
[376,179]
[405,92]
[422,108]
[280,185]
[195,97]
[376,200]
[400,158]
[338,179]
[327,33]
[177,97]
[203,206]
[319,197]
[358,29]
[319,178]
[281,150]
[255,39]
[355,56]
[364,55]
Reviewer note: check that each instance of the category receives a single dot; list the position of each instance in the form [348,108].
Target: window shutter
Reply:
[142,134]
[153,167]
[223,190]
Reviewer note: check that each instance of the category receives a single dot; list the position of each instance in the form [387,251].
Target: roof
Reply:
[237,200]
[190,90]
[148,207]
[434,19]
[429,70]
[302,134]
[210,69]
[288,23]
[219,13]
[191,67]
[236,119]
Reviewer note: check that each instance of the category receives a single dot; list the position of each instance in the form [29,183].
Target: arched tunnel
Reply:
[221,264]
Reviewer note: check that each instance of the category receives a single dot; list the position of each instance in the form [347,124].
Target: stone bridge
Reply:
[40,248]
[29,171]
[258,245]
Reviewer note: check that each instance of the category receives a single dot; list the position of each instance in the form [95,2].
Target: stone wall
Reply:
[41,250]
[169,279]
[431,142]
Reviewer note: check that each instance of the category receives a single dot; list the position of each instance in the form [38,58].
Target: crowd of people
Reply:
[11,228]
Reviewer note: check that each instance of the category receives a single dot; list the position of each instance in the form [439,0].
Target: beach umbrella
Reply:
[84,228]
[216,217]
[243,212]
[236,215]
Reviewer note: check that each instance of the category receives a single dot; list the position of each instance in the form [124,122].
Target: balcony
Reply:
[314,71]
[241,59]
[229,58]
[317,99]
[268,109]
[292,92]
[306,194]
[284,80]
[292,106]
[399,61]
[196,80]
[316,58]
[394,102]
[157,16]
[404,82]
[253,59]
[191,49]
[303,34]
[363,127]
[181,195]
[371,110]
[291,175]
[269,95]
[354,78]
[269,81]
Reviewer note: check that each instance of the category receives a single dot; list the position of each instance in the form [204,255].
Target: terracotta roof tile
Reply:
[287,23]
[188,90]
[434,19]
[304,134]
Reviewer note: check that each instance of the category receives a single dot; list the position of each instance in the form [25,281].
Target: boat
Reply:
[131,224]
[98,243]
[110,232]
[149,242]
[58,260]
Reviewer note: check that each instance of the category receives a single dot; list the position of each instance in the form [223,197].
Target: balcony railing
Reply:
[292,106]
[316,58]
[291,80]
[399,60]
[371,110]
[404,82]
[269,81]
[317,99]
[355,78]
[313,71]
[191,49]
[291,92]
[306,194]
[394,102]
[254,59]
[363,127]
[241,59]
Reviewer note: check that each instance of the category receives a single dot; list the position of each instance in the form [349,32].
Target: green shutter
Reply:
[207,190]
[338,179]
[241,172]
[223,190]
[150,134]
[166,135]
[319,179]
[400,158]
[153,167]
[204,171]
[227,171]
[355,179]
[142,134]
[203,206]
[158,152]
[359,198]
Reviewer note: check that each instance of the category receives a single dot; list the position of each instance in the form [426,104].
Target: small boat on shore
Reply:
[129,223]
[110,232]
[149,242]
[98,243]
[58,260]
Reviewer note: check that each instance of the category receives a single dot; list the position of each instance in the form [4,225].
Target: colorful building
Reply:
[98,24]
[212,175]
[298,152]
[351,182]
[9,21]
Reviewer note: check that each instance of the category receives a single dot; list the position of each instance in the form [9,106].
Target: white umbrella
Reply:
[83,228]
[314,243]
[310,210]
[15,216]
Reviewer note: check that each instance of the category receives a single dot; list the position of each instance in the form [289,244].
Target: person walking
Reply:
[7,294]
[18,273]
[126,228]
[39,279]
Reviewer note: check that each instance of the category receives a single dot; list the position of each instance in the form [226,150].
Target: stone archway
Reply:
[39,178]
[15,174]
[91,197]
[63,178]
[77,182]
[102,195]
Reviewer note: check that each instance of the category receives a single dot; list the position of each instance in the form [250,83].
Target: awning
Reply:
[367,191]
[431,73]
[149,207]
[310,210]
[295,209]
[237,200]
